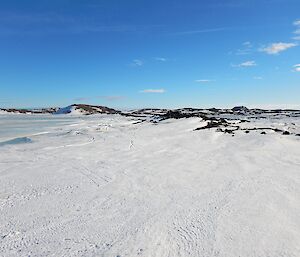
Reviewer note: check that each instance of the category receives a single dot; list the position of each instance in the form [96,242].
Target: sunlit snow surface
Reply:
[14,125]
[108,186]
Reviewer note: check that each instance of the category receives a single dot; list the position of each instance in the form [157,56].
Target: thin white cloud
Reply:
[112,97]
[45,18]
[106,97]
[276,48]
[246,49]
[246,64]
[297,23]
[137,62]
[297,31]
[204,80]
[258,78]
[191,32]
[297,67]
[154,91]
[81,99]
[247,44]
[25,23]
[161,59]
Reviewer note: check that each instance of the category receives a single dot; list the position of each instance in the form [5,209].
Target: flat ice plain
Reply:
[106,185]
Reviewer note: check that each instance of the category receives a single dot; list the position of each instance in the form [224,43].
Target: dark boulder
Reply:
[240,109]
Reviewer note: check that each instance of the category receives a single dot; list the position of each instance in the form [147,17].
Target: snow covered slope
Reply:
[69,110]
[112,185]
[79,109]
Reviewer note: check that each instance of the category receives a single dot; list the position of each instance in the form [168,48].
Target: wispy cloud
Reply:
[161,59]
[105,97]
[154,91]
[246,64]
[297,67]
[98,28]
[81,99]
[276,48]
[16,18]
[191,32]
[258,78]
[247,48]
[137,63]
[247,44]
[204,80]
[297,23]
[297,31]
[113,97]
[15,23]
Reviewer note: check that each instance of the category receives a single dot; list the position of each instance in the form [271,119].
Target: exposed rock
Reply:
[176,115]
[30,111]
[242,109]
[213,124]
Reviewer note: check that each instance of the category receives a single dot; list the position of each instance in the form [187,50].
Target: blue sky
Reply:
[138,53]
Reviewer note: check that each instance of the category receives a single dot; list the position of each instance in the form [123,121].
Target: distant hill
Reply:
[77,109]
[29,111]
[85,109]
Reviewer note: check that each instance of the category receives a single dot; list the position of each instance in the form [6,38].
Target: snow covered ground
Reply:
[107,185]
[18,125]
